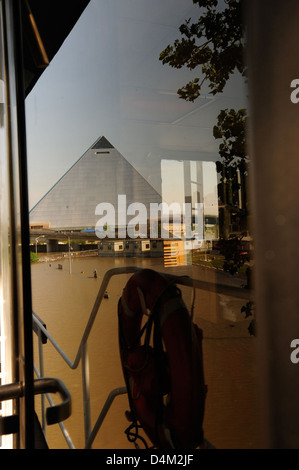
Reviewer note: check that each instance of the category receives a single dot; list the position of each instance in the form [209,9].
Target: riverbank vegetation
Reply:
[214,261]
[33,257]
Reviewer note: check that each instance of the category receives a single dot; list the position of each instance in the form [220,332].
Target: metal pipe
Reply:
[114,393]
[61,424]
[41,375]
[86,391]
[274,120]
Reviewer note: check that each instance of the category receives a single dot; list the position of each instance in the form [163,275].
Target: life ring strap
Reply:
[171,332]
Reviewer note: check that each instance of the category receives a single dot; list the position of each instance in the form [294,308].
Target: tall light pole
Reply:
[41,236]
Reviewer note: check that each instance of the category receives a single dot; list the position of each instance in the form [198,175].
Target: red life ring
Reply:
[165,384]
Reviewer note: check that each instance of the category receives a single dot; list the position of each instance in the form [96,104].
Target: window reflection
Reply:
[107,80]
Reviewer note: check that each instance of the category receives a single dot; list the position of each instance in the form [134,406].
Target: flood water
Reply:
[64,301]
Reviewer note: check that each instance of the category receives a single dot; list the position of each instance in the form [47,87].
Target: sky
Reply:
[107,80]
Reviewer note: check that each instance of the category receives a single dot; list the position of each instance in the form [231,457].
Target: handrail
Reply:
[55,413]
[74,364]
[223,289]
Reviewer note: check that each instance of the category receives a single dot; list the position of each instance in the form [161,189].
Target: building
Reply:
[99,176]
[127,248]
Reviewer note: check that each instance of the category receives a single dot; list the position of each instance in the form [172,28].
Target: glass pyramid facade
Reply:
[99,176]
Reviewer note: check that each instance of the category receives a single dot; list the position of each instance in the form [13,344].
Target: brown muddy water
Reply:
[64,301]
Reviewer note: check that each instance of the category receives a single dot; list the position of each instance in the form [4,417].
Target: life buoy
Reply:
[165,378]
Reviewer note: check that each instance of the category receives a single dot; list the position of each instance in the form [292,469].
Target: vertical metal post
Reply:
[86,390]
[42,374]
[26,314]
[273,65]
[18,219]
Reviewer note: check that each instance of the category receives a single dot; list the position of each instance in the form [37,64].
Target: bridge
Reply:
[53,237]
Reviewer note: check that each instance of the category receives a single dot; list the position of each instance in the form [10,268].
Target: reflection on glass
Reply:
[157,195]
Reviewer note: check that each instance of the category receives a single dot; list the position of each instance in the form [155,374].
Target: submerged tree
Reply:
[233,169]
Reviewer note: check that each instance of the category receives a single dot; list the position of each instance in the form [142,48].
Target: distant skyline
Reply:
[107,80]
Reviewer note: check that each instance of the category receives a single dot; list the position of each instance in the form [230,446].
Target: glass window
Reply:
[115,154]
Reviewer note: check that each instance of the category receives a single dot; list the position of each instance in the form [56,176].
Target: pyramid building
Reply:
[99,176]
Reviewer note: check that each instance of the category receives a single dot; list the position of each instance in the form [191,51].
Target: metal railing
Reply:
[82,353]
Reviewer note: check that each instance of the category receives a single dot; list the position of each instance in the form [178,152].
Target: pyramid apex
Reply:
[102,143]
